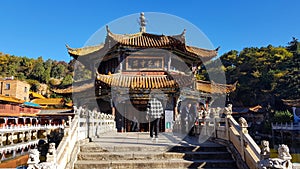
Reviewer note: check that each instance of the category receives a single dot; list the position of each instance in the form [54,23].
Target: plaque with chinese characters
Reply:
[138,63]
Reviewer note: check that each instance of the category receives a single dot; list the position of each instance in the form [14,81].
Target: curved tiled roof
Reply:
[75,89]
[36,95]
[153,82]
[83,51]
[212,87]
[144,82]
[49,101]
[293,103]
[11,99]
[146,40]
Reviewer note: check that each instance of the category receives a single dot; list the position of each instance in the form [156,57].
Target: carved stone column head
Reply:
[265,150]
[284,152]
[70,119]
[34,157]
[243,123]
[51,155]
[228,110]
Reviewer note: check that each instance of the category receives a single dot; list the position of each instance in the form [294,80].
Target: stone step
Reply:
[201,148]
[153,148]
[153,155]
[153,164]
[122,148]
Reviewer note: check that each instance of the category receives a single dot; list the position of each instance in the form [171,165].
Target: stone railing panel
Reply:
[85,124]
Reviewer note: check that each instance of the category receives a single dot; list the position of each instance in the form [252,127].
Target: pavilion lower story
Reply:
[131,117]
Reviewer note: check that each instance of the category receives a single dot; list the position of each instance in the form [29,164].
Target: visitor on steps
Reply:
[154,113]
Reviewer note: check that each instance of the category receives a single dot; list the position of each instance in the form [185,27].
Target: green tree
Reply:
[38,70]
[282,117]
[47,72]
[259,71]
[58,71]
[67,80]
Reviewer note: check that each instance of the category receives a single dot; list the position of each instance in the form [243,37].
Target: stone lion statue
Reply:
[243,122]
[228,109]
[284,152]
[34,155]
[33,159]
[265,150]
[283,160]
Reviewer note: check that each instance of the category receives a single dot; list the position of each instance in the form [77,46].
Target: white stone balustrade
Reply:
[90,124]
[19,138]
[237,134]
[85,124]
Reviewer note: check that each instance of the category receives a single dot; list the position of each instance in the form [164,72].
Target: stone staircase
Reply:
[145,154]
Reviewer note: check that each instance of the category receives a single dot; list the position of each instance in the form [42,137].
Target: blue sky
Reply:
[42,28]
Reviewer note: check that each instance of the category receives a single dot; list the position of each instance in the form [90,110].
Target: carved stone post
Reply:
[14,153]
[1,139]
[29,135]
[12,138]
[93,123]
[215,120]
[3,156]
[88,124]
[70,121]
[33,159]
[265,150]
[227,112]
[51,154]
[243,124]
[23,137]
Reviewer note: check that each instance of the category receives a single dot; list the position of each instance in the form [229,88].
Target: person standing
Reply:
[184,116]
[135,124]
[154,113]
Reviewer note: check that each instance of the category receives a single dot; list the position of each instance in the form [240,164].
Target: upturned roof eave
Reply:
[157,41]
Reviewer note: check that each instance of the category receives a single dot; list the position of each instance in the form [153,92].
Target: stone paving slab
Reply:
[143,138]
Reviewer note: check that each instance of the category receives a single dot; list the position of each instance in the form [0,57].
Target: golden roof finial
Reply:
[142,22]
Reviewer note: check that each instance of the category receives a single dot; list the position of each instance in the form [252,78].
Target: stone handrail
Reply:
[28,128]
[252,155]
[65,147]
[237,134]
[85,124]
[17,140]
[243,142]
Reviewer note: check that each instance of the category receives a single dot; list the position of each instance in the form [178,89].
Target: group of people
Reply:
[155,112]
[189,113]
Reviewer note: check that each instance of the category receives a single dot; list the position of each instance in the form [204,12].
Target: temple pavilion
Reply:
[126,68]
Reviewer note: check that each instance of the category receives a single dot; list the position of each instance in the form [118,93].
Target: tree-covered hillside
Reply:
[265,75]
[36,71]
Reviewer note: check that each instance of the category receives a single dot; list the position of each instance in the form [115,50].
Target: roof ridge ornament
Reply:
[107,29]
[183,32]
[142,22]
